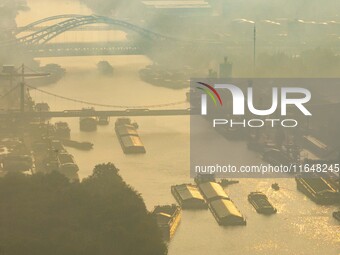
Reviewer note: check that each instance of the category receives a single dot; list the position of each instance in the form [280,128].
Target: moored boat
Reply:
[128,136]
[88,124]
[168,218]
[226,182]
[62,130]
[275,186]
[202,178]
[318,189]
[188,196]
[78,145]
[212,191]
[261,203]
[226,213]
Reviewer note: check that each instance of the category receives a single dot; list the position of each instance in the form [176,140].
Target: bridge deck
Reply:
[80,113]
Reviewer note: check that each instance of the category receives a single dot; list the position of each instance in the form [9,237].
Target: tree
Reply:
[46,214]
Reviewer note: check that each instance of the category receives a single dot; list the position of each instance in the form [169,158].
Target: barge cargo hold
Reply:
[128,136]
[318,190]
[212,191]
[226,213]
[168,218]
[261,203]
[188,196]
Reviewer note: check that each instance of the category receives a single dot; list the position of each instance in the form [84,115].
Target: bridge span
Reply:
[87,49]
[82,113]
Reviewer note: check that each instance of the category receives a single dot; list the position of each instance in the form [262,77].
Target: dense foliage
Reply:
[47,215]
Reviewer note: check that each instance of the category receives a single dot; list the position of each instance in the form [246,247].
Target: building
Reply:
[226,69]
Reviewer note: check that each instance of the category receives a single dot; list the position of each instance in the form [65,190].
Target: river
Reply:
[300,227]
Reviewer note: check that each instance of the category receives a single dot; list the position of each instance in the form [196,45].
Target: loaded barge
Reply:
[128,136]
[88,124]
[168,218]
[221,206]
[318,189]
[188,196]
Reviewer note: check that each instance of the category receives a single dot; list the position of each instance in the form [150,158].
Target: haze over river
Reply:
[300,227]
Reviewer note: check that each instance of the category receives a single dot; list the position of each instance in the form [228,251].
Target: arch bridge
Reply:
[72,21]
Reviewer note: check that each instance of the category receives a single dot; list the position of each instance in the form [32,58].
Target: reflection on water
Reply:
[300,227]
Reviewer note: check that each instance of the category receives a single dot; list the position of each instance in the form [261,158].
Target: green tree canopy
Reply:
[45,214]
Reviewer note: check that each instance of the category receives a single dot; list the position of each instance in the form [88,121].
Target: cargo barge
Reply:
[188,196]
[168,218]
[88,124]
[62,130]
[78,145]
[226,213]
[128,136]
[314,145]
[212,191]
[67,165]
[221,206]
[261,203]
[318,190]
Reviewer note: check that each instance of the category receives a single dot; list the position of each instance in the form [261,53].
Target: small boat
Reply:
[275,186]
[261,203]
[78,145]
[105,68]
[226,182]
[336,215]
[202,178]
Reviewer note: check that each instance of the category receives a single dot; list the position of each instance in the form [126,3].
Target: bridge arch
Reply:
[45,20]
[46,34]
